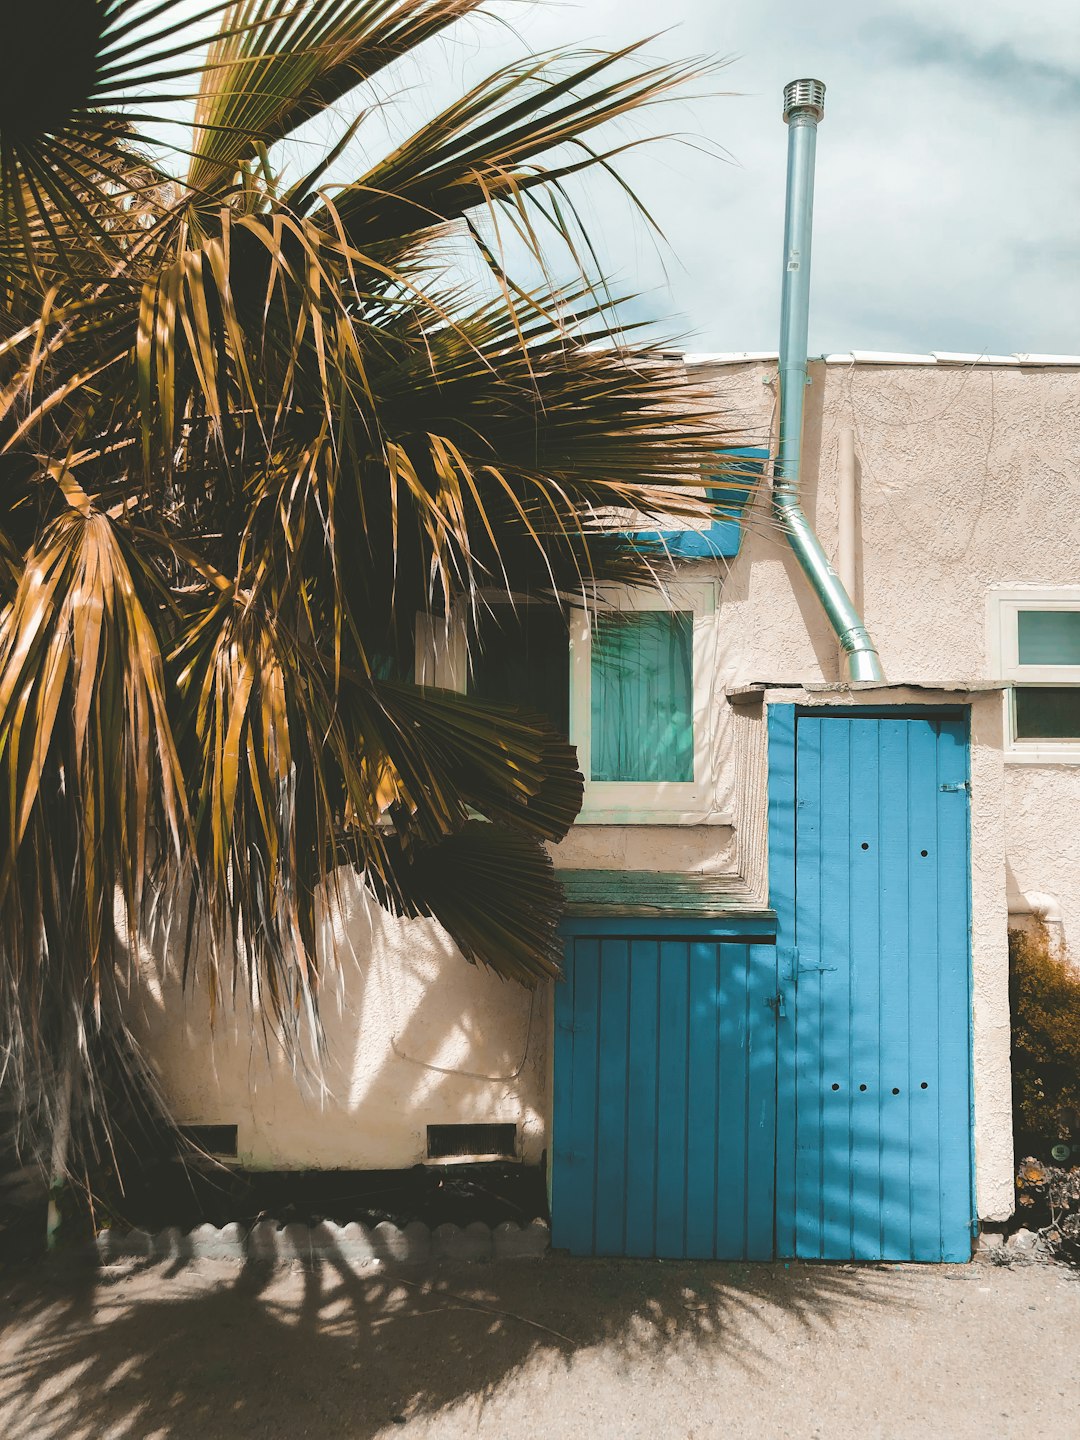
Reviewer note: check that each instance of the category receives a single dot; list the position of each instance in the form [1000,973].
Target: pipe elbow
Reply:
[860,655]
[864,665]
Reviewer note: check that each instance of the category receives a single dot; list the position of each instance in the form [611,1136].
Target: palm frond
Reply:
[492,889]
[92,802]
[519,130]
[73,73]
[279,66]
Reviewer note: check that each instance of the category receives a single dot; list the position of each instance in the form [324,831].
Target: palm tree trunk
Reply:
[61,1136]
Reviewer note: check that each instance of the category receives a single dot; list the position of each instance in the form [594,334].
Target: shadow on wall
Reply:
[161,1355]
[414,1035]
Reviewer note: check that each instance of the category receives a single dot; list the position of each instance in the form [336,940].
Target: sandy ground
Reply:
[586,1350]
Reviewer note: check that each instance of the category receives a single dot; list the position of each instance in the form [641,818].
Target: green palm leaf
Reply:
[283,64]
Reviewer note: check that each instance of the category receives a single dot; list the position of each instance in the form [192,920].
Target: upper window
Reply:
[1035,644]
[643,663]
[629,682]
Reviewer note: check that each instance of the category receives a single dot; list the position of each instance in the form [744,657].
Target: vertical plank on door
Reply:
[708,1027]
[895,962]
[732,1117]
[825,970]
[574,1179]
[758,1164]
[864,998]
[806,1031]
[641,1097]
[612,1063]
[672,1096]
[923,1091]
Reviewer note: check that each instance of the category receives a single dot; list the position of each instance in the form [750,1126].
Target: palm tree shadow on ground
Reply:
[168,1353]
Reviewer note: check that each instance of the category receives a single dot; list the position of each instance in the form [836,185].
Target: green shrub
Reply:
[1045,996]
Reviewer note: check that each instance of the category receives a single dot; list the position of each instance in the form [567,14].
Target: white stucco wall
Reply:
[966,480]
[414,1036]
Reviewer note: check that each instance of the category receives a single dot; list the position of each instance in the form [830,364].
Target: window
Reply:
[630,683]
[641,708]
[1035,645]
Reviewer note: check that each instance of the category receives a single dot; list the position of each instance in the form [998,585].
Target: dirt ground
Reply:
[559,1348]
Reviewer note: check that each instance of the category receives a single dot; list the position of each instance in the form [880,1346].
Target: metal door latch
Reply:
[952,786]
[797,969]
[777,1003]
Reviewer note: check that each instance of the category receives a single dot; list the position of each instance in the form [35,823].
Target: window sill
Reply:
[623,815]
[1068,754]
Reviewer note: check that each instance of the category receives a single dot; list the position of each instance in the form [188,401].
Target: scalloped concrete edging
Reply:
[413,1244]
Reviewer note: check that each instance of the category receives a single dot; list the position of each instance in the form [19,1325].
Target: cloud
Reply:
[1025,80]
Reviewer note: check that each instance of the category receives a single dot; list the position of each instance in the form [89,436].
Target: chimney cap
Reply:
[804,97]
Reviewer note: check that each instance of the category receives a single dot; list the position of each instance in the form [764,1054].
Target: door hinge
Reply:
[952,786]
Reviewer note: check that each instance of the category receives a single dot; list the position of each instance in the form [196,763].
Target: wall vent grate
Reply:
[473,1142]
[216,1140]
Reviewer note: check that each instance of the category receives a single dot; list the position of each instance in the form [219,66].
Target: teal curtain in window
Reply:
[643,697]
[1048,637]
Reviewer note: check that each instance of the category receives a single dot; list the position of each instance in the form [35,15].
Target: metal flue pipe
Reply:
[804,107]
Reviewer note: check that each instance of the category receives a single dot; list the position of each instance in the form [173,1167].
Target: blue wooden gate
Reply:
[874,1139]
[665,1097]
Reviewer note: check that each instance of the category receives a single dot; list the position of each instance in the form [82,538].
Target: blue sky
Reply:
[948,182]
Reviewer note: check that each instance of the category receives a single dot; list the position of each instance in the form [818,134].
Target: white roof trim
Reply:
[879,357]
[951,357]
[889,357]
[730,357]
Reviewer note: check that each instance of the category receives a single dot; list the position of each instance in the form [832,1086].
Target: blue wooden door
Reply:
[665,1098]
[874,1128]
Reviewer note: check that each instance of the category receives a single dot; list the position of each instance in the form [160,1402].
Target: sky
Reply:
[947,211]
[947,208]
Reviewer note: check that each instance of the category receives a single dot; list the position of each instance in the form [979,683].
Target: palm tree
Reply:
[252,425]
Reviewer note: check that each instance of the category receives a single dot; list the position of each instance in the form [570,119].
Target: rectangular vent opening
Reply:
[216,1140]
[472,1142]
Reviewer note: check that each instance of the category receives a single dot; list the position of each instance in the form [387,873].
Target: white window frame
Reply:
[1004,604]
[442,659]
